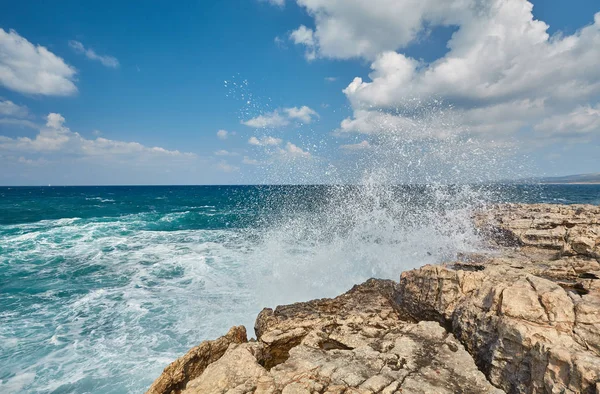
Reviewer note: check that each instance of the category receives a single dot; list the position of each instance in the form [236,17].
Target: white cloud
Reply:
[8,108]
[30,69]
[19,122]
[356,147]
[55,121]
[223,134]
[305,36]
[504,56]
[250,161]
[365,28]
[56,138]
[370,122]
[304,113]
[293,151]
[330,79]
[265,141]
[282,117]
[226,167]
[107,61]
[288,150]
[280,42]
[224,152]
[278,3]
[503,71]
[32,162]
[270,120]
[581,120]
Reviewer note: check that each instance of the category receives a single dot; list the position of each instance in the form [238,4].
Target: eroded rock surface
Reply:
[567,230]
[524,318]
[359,342]
[176,376]
[529,314]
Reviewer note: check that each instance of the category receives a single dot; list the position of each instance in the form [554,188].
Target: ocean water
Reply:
[102,287]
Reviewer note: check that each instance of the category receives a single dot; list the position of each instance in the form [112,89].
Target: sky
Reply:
[305,91]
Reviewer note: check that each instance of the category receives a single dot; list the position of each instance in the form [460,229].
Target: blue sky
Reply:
[139,90]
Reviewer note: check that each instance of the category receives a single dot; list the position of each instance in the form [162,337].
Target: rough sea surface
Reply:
[102,287]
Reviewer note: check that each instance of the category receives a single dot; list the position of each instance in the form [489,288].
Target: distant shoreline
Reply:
[570,183]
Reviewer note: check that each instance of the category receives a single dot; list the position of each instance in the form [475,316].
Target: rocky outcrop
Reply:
[175,377]
[524,318]
[528,334]
[359,342]
[566,230]
[529,315]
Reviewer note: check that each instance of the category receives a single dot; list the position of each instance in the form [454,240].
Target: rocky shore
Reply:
[523,318]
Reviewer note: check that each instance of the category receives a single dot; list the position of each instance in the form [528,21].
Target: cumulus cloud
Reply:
[252,162]
[265,141]
[8,108]
[282,117]
[582,120]
[107,61]
[502,73]
[226,167]
[492,59]
[33,69]
[370,122]
[270,120]
[364,28]
[15,115]
[273,146]
[306,37]
[293,151]
[304,113]
[223,134]
[55,137]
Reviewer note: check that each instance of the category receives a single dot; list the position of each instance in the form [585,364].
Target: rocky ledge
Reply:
[523,318]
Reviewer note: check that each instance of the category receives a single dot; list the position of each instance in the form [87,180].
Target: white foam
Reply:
[153,295]
[17,383]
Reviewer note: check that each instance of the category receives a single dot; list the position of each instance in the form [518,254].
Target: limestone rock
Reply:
[566,229]
[176,376]
[523,318]
[528,334]
[359,342]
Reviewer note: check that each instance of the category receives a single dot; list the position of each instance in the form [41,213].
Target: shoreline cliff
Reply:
[523,318]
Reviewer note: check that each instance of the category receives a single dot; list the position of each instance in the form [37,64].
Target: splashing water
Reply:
[402,198]
[102,287]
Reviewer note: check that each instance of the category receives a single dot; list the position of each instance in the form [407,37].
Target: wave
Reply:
[99,199]
[118,299]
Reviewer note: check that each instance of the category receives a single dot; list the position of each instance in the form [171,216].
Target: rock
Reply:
[524,318]
[566,229]
[358,342]
[237,370]
[176,376]
[526,333]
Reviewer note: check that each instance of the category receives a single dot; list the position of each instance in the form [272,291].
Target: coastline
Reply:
[570,183]
[523,318]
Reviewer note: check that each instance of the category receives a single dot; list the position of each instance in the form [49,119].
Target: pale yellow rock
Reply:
[528,314]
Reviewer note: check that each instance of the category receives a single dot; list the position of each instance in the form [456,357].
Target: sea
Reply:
[101,287]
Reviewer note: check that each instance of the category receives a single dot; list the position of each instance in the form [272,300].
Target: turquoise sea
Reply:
[102,287]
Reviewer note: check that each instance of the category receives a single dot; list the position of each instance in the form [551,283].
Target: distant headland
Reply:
[593,178]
